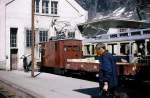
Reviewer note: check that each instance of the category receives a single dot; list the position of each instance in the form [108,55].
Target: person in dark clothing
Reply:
[108,79]
[25,63]
[26,66]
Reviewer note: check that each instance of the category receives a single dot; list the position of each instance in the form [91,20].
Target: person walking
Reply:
[108,78]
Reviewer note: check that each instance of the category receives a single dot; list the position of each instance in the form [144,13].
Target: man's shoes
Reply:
[103,94]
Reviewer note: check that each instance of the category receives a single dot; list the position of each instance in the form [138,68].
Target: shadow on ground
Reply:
[131,90]
[93,92]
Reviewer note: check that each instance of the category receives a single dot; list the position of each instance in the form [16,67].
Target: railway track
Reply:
[4,93]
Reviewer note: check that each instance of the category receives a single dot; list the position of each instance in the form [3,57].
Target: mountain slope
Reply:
[98,9]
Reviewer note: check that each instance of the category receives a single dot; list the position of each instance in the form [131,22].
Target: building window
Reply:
[113,36]
[43,36]
[54,7]
[135,33]
[71,35]
[37,2]
[28,38]
[13,37]
[123,34]
[146,32]
[45,6]
[123,29]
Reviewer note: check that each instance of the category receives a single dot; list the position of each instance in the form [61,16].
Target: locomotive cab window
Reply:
[76,48]
[67,48]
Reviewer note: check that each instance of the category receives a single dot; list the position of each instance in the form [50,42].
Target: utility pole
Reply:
[33,37]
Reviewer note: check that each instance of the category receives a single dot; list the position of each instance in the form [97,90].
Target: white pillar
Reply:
[21,45]
[118,48]
[130,51]
[40,6]
[7,48]
[146,46]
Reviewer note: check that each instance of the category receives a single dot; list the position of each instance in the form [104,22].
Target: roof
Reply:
[105,24]
[117,23]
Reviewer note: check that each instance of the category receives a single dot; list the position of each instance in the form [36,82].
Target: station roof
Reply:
[105,24]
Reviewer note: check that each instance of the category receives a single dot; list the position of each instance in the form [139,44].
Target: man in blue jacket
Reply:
[107,74]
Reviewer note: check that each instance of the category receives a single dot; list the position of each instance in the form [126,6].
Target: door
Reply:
[13,59]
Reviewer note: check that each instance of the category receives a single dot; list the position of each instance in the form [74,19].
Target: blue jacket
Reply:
[108,70]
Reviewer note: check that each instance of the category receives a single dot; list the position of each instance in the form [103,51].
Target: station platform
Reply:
[48,85]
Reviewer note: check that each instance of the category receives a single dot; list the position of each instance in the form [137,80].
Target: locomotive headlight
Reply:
[82,66]
[97,75]
[95,67]
[68,65]
[134,68]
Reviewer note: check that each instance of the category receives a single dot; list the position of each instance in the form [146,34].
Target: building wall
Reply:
[18,15]
[118,30]
[72,13]
[2,35]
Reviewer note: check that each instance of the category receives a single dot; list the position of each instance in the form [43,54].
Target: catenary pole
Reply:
[33,36]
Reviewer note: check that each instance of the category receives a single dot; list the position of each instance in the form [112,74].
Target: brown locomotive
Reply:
[56,53]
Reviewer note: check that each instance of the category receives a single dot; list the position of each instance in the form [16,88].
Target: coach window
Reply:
[148,47]
[124,48]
